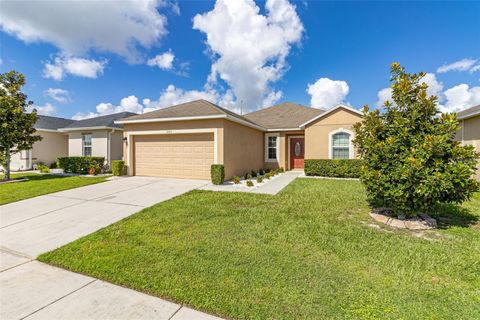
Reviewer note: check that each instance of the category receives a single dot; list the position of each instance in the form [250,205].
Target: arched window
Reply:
[340,145]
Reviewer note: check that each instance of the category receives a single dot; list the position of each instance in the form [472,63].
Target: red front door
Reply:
[297,153]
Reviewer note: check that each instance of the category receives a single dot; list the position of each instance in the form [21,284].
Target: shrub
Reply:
[236,179]
[247,176]
[217,173]
[273,173]
[79,165]
[412,162]
[344,168]
[261,172]
[42,168]
[249,183]
[259,179]
[268,175]
[118,167]
[253,173]
[53,165]
[94,169]
[281,170]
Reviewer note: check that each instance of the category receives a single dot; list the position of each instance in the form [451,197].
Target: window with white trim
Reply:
[271,147]
[341,145]
[87,144]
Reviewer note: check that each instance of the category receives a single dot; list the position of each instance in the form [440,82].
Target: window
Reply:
[87,145]
[271,147]
[341,145]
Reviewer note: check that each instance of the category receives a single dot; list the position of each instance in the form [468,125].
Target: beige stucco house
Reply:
[469,132]
[53,145]
[183,141]
[97,137]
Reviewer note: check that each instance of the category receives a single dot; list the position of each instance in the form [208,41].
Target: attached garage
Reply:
[186,156]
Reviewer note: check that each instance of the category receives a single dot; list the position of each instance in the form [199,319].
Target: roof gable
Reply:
[285,115]
[330,111]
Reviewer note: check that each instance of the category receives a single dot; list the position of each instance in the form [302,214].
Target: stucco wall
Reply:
[116,145]
[243,149]
[172,126]
[317,133]
[52,146]
[469,133]
[99,143]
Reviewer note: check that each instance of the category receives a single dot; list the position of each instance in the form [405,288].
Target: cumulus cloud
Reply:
[435,88]
[475,68]
[61,66]
[57,94]
[326,93]
[460,65]
[460,97]
[164,61]
[248,48]
[47,109]
[120,27]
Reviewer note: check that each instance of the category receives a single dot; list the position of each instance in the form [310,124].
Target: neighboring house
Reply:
[98,137]
[183,141]
[469,132]
[53,145]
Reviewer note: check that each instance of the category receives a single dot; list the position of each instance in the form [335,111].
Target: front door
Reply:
[297,153]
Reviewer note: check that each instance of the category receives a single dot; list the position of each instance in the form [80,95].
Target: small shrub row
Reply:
[344,168]
[118,167]
[81,165]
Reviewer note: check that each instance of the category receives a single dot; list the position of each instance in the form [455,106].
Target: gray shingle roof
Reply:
[283,116]
[51,123]
[102,121]
[468,112]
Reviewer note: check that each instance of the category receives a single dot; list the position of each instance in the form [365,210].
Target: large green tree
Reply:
[412,161]
[17,130]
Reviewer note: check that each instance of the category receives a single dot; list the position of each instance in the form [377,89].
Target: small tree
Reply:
[411,160]
[16,126]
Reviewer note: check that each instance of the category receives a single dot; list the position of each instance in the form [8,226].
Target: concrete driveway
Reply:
[34,290]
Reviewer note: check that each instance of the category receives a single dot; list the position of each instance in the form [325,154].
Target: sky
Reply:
[88,58]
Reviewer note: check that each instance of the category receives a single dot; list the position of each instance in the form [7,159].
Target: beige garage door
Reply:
[174,156]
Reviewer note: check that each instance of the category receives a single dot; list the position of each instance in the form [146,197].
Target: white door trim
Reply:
[174,131]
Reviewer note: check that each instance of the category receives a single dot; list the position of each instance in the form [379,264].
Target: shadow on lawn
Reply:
[451,215]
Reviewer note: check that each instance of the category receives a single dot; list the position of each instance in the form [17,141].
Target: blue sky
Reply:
[262,52]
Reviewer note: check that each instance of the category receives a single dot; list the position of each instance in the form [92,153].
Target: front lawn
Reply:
[311,252]
[39,184]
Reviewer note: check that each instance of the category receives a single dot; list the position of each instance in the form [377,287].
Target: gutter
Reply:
[88,128]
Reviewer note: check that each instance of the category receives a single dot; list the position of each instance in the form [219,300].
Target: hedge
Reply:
[217,173]
[344,168]
[118,167]
[79,164]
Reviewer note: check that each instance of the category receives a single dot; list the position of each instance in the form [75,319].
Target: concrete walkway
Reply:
[33,290]
[272,187]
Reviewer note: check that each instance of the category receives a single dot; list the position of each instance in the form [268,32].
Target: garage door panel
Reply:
[179,156]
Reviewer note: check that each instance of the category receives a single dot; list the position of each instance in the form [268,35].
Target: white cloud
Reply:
[461,65]
[172,96]
[57,94]
[326,93]
[435,88]
[119,27]
[461,97]
[47,109]
[475,68]
[164,61]
[81,115]
[61,66]
[249,49]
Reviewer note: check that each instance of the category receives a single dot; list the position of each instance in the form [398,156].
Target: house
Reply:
[469,132]
[98,137]
[183,141]
[53,145]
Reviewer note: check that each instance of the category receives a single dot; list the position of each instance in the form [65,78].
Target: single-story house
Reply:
[97,137]
[469,132]
[184,140]
[53,145]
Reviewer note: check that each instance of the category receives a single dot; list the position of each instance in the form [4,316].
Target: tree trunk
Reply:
[7,166]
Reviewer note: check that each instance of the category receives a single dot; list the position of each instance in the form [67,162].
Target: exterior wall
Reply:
[243,149]
[317,137]
[52,146]
[99,143]
[116,145]
[170,128]
[469,133]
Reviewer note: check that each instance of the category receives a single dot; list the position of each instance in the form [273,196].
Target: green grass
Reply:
[39,184]
[307,253]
